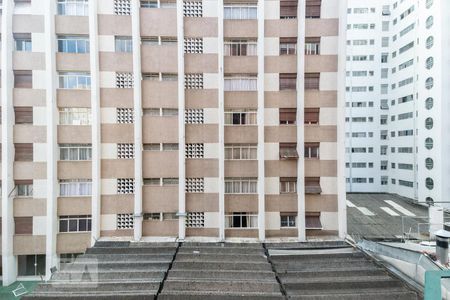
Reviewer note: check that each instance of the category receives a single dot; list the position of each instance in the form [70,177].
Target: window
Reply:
[312,115]
[430,42]
[240,117]
[429,143]
[149,3]
[125,115]
[288,151]
[74,116]
[240,151]
[240,83]
[239,11]
[312,46]
[312,220]
[125,185]
[125,151]
[24,188]
[22,42]
[312,185]
[195,220]
[194,151]
[75,187]
[406,64]
[312,150]
[287,219]
[406,48]
[429,163]
[75,223]
[429,3]
[429,183]
[124,80]
[152,216]
[406,183]
[122,7]
[194,116]
[288,185]
[287,116]
[123,44]
[23,114]
[193,45]
[429,22]
[75,152]
[125,221]
[407,29]
[288,9]
[288,81]
[429,103]
[23,79]
[170,181]
[152,181]
[193,8]
[169,147]
[23,151]
[429,123]
[66,259]
[241,185]
[195,185]
[429,83]
[313,8]
[73,7]
[241,220]
[74,80]
[312,81]
[73,44]
[240,47]
[31,265]
[193,81]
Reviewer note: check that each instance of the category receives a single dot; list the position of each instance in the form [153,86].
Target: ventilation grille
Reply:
[194,151]
[122,7]
[194,116]
[125,151]
[193,9]
[125,221]
[125,185]
[193,81]
[195,220]
[195,185]
[125,115]
[193,45]
[124,80]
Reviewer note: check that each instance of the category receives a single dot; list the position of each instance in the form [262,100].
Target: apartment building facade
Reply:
[391,92]
[168,120]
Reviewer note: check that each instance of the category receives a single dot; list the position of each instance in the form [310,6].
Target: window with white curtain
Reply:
[240,11]
[240,83]
[241,151]
[240,48]
[240,117]
[74,116]
[73,7]
[73,44]
[123,44]
[75,187]
[75,151]
[74,80]
[241,185]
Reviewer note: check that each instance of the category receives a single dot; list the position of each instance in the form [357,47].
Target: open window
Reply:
[313,8]
[288,151]
[288,116]
[312,220]
[312,150]
[312,185]
[312,115]
[288,9]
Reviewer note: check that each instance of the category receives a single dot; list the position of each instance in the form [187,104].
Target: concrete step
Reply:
[80,286]
[224,245]
[307,257]
[126,257]
[308,245]
[125,295]
[295,275]
[112,244]
[228,286]
[352,279]
[222,274]
[314,266]
[202,265]
[359,294]
[112,275]
[218,296]
[221,257]
[221,250]
[131,250]
[134,265]
[343,284]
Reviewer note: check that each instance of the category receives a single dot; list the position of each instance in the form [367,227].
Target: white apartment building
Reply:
[395,120]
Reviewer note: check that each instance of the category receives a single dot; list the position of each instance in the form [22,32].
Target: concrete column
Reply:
[96,120]
[221,111]
[137,99]
[260,121]
[301,198]
[52,148]
[9,261]
[181,124]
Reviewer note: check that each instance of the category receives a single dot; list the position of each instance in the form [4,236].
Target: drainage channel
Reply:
[269,260]
[166,274]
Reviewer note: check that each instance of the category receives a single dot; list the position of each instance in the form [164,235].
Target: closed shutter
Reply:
[312,220]
[24,115]
[312,115]
[312,40]
[288,9]
[312,185]
[288,81]
[288,115]
[288,40]
[313,8]
[23,152]
[23,79]
[23,225]
[312,81]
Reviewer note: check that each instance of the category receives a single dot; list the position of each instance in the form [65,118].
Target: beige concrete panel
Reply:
[117,133]
[71,134]
[74,242]
[157,164]
[280,64]
[117,204]
[241,168]
[318,168]
[158,22]
[74,169]
[73,98]
[238,203]
[201,98]
[241,64]
[72,61]
[160,129]
[167,228]
[321,63]
[163,58]
[283,202]
[281,28]
[240,28]
[117,168]
[28,60]
[29,244]
[114,233]
[24,170]
[25,207]
[281,99]
[27,133]
[244,99]
[160,198]
[284,232]
[200,27]
[201,63]
[321,27]
[74,206]
[241,134]
[202,133]
[280,134]
[114,25]
[320,98]
[113,97]
[316,133]
[208,232]
[321,203]
[29,97]
[116,61]
[241,233]
[28,23]
[202,168]
[72,25]
[280,168]
[157,94]
[202,202]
